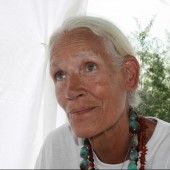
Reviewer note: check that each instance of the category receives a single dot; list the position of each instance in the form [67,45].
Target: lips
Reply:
[81,110]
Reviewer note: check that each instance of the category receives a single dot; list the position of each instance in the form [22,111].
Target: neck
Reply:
[112,145]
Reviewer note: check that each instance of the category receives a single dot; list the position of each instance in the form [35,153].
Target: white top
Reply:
[61,150]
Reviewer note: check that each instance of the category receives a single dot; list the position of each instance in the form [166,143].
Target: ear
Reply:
[131,72]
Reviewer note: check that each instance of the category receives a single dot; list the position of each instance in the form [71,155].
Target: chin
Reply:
[84,132]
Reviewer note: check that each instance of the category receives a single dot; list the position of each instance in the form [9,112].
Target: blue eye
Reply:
[60,75]
[90,67]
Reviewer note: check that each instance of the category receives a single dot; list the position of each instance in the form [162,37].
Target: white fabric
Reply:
[27,102]
[61,150]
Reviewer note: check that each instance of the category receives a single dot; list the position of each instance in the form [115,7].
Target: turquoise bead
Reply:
[133,155]
[133,116]
[132,166]
[134,125]
[84,164]
[84,152]
[134,141]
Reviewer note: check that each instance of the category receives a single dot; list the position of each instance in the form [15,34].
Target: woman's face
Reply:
[88,84]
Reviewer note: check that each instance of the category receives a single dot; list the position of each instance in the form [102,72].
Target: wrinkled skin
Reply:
[103,87]
[86,76]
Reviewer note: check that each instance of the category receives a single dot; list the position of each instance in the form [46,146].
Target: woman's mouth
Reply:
[82,110]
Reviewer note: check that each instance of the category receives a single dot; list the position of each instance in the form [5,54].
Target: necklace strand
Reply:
[137,129]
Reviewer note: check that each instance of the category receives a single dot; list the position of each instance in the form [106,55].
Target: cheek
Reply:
[106,86]
[116,102]
[112,93]
[59,93]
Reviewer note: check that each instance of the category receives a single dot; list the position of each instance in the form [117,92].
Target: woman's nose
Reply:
[75,88]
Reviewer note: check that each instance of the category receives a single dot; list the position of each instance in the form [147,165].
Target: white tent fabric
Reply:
[27,101]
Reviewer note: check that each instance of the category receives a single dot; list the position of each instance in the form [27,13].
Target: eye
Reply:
[90,67]
[60,75]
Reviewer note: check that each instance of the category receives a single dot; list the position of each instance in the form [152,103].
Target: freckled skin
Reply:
[103,88]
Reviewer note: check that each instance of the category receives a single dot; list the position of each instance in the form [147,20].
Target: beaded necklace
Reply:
[137,128]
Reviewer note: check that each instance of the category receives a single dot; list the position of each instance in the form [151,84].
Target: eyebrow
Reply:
[54,63]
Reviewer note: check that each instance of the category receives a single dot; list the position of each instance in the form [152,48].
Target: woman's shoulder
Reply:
[159,144]
[159,125]
[157,129]
[162,132]
[63,136]
[59,134]
[65,128]
[58,149]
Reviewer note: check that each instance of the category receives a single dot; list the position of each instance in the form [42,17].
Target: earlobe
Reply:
[131,71]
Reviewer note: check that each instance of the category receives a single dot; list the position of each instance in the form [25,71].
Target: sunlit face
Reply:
[89,86]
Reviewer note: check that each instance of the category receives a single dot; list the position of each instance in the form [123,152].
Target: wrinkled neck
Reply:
[112,145]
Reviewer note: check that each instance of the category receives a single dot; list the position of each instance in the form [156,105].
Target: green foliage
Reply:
[154,87]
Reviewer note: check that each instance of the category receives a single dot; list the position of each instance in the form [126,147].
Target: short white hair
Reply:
[116,42]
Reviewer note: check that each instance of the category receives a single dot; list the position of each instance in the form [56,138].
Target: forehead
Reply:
[78,40]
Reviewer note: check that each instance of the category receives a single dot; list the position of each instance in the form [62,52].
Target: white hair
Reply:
[114,40]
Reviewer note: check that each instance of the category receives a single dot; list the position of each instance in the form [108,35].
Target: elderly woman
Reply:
[96,75]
